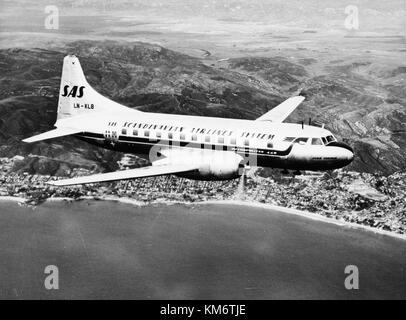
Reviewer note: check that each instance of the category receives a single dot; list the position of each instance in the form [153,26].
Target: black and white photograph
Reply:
[184,150]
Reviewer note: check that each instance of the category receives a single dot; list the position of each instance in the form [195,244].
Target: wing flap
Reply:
[282,111]
[126,174]
[58,132]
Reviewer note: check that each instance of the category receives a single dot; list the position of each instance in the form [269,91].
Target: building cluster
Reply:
[377,201]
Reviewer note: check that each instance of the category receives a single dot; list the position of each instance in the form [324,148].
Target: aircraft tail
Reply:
[77,97]
[77,101]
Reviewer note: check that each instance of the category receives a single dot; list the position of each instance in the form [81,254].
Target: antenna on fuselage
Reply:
[302,125]
[310,121]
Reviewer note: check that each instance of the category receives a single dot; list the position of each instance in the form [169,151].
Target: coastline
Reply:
[306,214]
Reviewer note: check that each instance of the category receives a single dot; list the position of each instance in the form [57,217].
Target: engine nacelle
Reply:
[210,164]
[220,166]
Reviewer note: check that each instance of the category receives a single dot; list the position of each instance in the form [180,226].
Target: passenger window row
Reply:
[182,136]
[194,137]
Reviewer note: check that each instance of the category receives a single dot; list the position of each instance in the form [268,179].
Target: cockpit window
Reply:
[317,142]
[301,140]
[330,138]
[324,140]
[289,139]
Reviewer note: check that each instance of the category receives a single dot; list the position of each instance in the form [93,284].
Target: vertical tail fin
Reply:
[77,97]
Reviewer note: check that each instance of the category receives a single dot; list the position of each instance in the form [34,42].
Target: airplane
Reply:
[194,147]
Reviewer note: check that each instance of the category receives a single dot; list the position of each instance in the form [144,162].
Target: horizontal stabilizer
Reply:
[59,132]
[125,174]
[283,110]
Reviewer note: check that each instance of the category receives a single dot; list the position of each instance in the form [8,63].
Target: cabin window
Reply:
[135,132]
[246,142]
[270,145]
[301,140]
[146,133]
[194,137]
[158,134]
[317,142]
[207,139]
[289,139]
[124,131]
[182,136]
[170,135]
[233,141]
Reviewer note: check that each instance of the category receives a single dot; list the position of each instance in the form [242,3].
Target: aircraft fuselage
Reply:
[265,144]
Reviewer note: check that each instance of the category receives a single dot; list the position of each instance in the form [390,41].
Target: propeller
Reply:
[240,192]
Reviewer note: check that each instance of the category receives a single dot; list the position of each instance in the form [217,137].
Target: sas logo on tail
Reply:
[74,92]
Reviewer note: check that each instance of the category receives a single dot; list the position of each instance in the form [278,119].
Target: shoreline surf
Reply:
[306,214]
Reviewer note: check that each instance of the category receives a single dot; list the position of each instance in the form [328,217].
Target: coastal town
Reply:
[367,199]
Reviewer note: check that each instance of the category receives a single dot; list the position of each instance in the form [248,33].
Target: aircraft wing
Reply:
[58,132]
[144,172]
[282,111]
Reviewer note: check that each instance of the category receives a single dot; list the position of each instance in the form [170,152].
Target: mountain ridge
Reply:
[155,79]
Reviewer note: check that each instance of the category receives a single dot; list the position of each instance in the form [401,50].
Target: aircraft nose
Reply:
[345,152]
[347,155]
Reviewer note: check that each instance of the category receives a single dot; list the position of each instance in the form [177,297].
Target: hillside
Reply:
[361,102]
